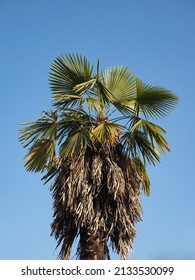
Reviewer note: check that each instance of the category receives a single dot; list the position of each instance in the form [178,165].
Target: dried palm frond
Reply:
[99,192]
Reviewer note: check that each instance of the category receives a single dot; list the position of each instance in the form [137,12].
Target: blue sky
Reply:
[155,39]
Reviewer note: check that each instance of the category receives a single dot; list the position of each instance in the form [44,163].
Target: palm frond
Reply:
[40,155]
[107,132]
[45,127]
[70,75]
[104,94]
[76,143]
[120,84]
[94,105]
[153,131]
[77,97]
[86,86]
[72,121]
[154,101]
[136,143]
[108,183]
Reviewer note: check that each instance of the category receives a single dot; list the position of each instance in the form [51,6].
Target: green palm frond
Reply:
[40,155]
[120,84]
[153,131]
[136,143]
[86,86]
[76,143]
[104,95]
[70,75]
[72,121]
[44,127]
[74,131]
[93,104]
[141,169]
[153,101]
[107,132]
[77,98]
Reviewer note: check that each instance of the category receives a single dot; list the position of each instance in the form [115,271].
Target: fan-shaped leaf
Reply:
[44,127]
[120,84]
[153,131]
[154,101]
[76,143]
[67,74]
[107,132]
[40,155]
[136,143]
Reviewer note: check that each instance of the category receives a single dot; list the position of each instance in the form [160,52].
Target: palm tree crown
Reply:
[95,146]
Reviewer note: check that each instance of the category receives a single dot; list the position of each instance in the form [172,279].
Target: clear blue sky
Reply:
[156,40]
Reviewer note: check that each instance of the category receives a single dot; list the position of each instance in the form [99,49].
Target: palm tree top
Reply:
[109,106]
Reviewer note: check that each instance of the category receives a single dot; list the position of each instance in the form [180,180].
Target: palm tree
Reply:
[95,146]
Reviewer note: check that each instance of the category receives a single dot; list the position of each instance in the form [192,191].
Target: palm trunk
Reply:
[92,247]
